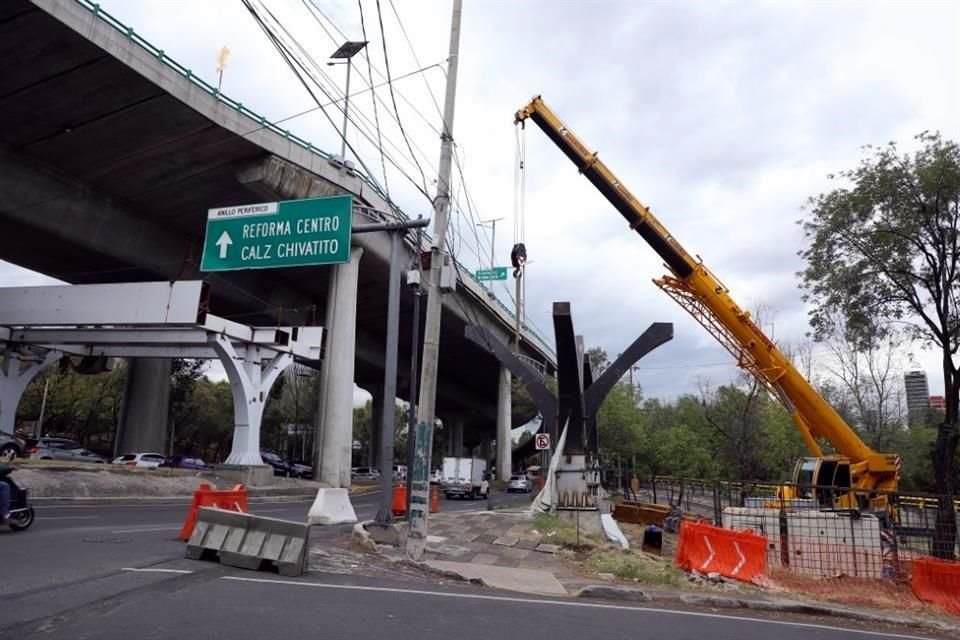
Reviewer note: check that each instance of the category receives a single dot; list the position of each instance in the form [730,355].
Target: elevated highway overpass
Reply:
[110,155]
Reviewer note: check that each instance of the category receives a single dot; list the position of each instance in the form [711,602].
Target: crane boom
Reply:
[702,294]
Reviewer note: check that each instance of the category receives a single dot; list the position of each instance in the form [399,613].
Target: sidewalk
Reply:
[501,549]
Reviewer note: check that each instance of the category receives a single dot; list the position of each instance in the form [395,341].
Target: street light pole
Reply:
[346,110]
[493,237]
[346,52]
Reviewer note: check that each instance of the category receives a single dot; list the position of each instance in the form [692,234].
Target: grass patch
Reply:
[556,531]
[639,567]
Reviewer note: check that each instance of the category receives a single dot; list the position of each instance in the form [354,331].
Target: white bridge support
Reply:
[250,382]
[14,378]
[148,320]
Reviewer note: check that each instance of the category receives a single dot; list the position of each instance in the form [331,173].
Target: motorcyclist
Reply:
[4,493]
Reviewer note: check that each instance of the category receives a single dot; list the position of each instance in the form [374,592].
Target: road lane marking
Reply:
[143,529]
[136,570]
[569,603]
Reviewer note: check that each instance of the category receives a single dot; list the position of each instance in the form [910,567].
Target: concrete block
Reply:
[245,541]
[260,475]
[332,506]
[390,534]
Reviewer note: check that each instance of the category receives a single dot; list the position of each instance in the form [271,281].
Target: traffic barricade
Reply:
[246,541]
[740,555]
[229,499]
[399,504]
[938,582]
[434,498]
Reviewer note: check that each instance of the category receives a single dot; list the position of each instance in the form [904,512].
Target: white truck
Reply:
[465,478]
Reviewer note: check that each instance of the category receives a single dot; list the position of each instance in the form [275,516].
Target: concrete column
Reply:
[251,375]
[376,420]
[485,449]
[146,403]
[456,437]
[335,436]
[504,416]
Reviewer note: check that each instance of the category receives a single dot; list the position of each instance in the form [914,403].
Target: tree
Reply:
[598,360]
[884,253]
[869,377]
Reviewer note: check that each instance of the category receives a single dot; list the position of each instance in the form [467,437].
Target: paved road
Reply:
[118,572]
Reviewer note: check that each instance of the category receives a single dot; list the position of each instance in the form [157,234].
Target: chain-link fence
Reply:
[808,535]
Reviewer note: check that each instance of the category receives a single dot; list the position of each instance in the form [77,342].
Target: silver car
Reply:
[519,482]
[63,449]
[10,446]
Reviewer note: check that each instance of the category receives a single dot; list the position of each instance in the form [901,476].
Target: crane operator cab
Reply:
[826,479]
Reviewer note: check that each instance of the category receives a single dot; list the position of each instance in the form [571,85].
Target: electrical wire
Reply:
[415,58]
[314,9]
[393,97]
[297,66]
[373,94]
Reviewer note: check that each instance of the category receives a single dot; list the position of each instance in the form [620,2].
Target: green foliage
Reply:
[883,255]
[619,423]
[522,408]
[82,407]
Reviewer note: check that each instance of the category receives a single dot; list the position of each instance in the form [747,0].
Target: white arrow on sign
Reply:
[223,242]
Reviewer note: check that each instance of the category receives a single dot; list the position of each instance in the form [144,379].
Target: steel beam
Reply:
[143,303]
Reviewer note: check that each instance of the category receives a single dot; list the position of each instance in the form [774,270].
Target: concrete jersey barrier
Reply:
[246,541]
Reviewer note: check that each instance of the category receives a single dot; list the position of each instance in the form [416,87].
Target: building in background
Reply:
[918,393]
[938,402]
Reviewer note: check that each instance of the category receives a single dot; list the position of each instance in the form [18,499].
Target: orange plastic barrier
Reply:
[232,500]
[399,505]
[938,582]
[740,555]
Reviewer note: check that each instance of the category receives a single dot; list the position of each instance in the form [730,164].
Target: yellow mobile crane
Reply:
[856,466]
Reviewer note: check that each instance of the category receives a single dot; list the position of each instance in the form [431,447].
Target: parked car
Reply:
[280,466]
[364,473]
[519,482]
[144,460]
[184,462]
[10,446]
[63,449]
[300,470]
[436,477]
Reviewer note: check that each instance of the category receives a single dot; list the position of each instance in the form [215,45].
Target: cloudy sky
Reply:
[723,117]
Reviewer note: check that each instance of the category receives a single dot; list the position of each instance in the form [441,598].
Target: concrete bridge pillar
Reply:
[146,404]
[455,443]
[335,411]
[376,420]
[504,417]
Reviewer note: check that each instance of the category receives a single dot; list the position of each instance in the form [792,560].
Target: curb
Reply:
[776,606]
[253,496]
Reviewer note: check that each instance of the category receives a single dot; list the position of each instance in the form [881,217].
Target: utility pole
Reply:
[426,407]
[414,376]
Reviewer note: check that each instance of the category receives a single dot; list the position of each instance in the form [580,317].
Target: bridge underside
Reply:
[106,176]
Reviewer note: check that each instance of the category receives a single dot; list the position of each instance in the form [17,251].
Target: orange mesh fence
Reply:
[740,555]
[938,582]
[232,500]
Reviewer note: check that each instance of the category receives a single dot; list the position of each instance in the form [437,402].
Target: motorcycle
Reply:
[21,512]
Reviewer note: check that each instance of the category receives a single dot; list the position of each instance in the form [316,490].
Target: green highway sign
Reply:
[497,273]
[269,235]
